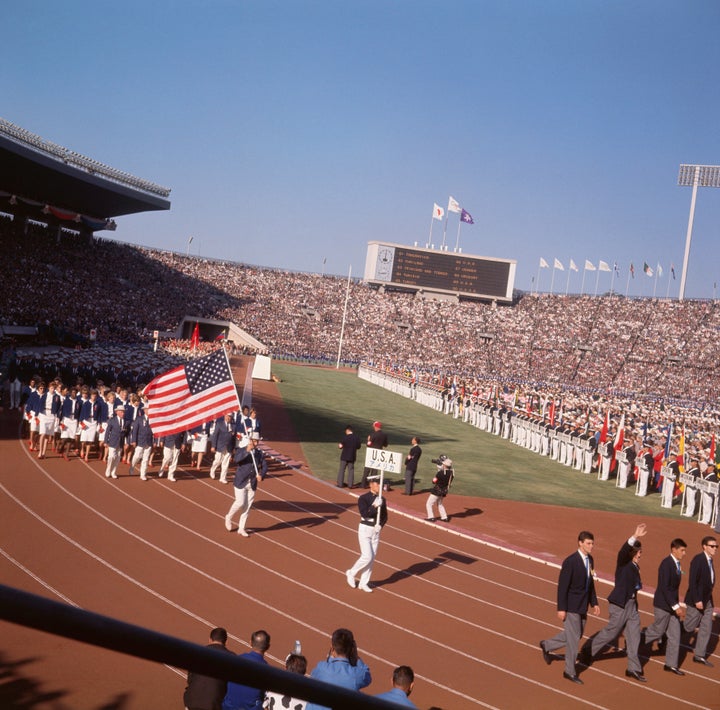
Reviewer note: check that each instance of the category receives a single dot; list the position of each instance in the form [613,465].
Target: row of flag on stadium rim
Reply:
[438,213]
[602,266]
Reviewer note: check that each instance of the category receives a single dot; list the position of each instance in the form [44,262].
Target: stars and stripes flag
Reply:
[191,395]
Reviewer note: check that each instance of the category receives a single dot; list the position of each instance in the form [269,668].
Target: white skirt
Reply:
[199,445]
[47,424]
[70,430]
[88,434]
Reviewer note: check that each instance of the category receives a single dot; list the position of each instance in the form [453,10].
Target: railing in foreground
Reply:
[60,619]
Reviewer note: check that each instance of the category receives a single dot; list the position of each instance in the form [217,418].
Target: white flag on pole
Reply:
[544,264]
[438,212]
[558,265]
[603,266]
[453,205]
[573,266]
[589,266]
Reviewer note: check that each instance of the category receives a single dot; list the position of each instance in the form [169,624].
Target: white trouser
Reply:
[170,460]
[431,501]
[244,498]
[141,455]
[368,538]
[113,460]
[222,459]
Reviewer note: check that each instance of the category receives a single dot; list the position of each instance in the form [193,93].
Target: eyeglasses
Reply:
[712,545]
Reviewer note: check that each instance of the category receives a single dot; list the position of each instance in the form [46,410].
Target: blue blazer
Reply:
[700,586]
[575,591]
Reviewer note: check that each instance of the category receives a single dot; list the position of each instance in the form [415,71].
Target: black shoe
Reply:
[636,675]
[430,520]
[572,678]
[546,656]
[702,661]
[672,669]
[584,657]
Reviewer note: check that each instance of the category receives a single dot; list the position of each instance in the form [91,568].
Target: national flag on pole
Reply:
[573,266]
[659,271]
[453,205]
[589,266]
[632,270]
[544,264]
[191,395]
[552,412]
[195,340]
[619,439]
[222,336]
[438,212]
[647,269]
[672,271]
[617,269]
[603,266]
[605,427]
[466,217]
[558,265]
[668,441]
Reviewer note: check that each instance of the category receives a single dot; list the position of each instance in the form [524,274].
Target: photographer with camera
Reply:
[442,481]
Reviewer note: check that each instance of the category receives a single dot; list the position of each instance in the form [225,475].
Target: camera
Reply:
[439,460]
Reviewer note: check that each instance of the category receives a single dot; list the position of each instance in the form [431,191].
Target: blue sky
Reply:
[295,132]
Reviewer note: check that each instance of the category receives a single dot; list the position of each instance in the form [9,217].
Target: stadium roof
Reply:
[35,169]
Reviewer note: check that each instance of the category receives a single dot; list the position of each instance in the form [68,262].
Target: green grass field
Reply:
[322,401]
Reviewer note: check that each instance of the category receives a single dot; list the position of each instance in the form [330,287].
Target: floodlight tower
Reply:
[697,176]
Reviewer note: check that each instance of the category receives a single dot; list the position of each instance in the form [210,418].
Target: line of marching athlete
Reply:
[113,426]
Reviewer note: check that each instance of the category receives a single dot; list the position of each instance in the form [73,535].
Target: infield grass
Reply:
[321,402]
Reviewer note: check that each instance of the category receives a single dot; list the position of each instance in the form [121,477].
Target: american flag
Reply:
[191,395]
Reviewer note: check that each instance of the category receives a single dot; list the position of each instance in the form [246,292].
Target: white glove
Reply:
[378,528]
[377,502]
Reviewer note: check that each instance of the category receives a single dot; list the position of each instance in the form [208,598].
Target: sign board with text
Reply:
[384,460]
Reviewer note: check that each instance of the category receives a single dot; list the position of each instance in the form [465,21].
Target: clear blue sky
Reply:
[292,132]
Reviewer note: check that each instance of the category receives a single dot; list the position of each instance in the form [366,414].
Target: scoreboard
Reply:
[440,271]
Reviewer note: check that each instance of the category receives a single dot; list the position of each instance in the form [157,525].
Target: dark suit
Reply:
[623,610]
[349,447]
[575,593]
[666,619]
[700,589]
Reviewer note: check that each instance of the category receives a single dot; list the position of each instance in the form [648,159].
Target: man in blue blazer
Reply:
[699,598]
[575,594]
[669,612]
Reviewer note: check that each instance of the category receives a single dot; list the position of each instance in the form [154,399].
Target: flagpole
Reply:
[597,278]
[582,286]
[447,217]
[612,277]
[432,219]
[655,284]
[567,283]
[457,240]
[227,360]
[537,281]
[552,279]
[342,327]
[627,284]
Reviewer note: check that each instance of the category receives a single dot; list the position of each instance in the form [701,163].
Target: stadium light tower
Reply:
[697,176]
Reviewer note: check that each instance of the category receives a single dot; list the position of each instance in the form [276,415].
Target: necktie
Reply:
[679,570]
[587,572]
[712,571]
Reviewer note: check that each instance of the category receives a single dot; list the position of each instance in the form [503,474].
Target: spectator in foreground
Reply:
[204,692]
[342,667]
[244,697]
[403,681]
[294,663]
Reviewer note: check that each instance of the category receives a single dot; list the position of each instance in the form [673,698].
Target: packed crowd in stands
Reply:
[657,350]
